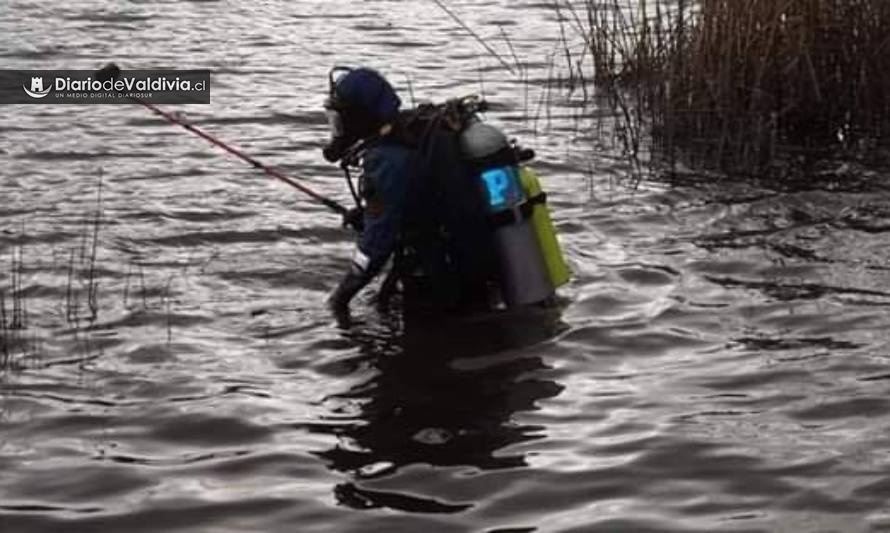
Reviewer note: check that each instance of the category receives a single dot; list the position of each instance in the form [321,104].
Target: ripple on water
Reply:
[718,363]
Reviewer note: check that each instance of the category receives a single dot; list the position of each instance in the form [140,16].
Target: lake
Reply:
[720,362]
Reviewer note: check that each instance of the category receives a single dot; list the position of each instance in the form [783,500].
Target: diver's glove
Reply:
[354,218]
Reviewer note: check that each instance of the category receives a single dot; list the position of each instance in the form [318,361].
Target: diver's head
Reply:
[359,104]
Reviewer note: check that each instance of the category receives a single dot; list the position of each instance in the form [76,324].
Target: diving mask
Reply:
[335,122]
[339,141]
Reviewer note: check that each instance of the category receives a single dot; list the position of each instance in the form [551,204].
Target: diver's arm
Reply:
[379,235]
[355,280]
[375,246]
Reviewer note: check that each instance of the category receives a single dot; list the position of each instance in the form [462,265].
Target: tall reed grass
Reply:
[744,85]
[13,319]
[20,342]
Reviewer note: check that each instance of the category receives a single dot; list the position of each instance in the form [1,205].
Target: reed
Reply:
[13,318]
[82,273]
[20,341]
[744,85]
[5,338]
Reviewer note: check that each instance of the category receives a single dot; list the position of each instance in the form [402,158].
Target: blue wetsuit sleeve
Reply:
[386,175]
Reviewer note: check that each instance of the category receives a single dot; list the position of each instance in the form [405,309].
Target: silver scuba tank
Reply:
[523,272]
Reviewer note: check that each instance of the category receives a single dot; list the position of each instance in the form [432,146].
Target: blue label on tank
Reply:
[502,185]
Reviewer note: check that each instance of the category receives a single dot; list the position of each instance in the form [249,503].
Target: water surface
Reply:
[720,364]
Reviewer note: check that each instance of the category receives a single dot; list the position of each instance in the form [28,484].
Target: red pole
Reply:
[173,119]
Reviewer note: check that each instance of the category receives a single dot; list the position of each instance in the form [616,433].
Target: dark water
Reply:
[722,362]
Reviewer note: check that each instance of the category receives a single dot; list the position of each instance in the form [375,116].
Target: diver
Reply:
[443,195]
[415,201]
[362,105]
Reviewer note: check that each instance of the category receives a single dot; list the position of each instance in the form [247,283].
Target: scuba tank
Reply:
[524,275]
[483,221]
[557,268]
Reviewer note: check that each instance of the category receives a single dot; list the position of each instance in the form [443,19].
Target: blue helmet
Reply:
[360,102]
[364,91]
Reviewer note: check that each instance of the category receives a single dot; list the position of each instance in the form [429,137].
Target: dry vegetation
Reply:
[13,319]
[744,85]
[19,341]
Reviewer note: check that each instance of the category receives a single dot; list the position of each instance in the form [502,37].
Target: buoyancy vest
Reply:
[446,225]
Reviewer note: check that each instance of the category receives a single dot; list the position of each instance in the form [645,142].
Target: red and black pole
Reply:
[111,71]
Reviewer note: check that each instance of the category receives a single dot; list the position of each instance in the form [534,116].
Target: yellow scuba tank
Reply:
[557,268]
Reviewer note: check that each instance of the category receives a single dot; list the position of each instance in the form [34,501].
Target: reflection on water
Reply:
[720,363]
[430,400]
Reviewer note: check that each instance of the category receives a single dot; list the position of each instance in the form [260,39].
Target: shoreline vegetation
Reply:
[52,303]
[21,344]
[743,87]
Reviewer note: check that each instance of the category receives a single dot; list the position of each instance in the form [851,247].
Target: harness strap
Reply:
[518,213]
[540,198]
[508,217]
